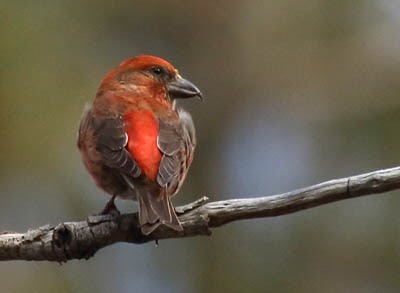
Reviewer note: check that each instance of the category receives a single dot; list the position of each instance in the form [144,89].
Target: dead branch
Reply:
[77,240]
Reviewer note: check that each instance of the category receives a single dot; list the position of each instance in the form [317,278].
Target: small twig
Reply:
[191,206]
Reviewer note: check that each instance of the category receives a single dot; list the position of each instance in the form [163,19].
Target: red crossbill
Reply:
[135,143]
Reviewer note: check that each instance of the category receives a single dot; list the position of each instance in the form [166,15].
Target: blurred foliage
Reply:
[297,92]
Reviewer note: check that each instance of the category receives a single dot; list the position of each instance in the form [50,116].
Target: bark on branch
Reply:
[76,240]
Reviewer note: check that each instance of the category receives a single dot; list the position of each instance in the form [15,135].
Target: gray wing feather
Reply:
[169,138]
[177,142]
[111,140]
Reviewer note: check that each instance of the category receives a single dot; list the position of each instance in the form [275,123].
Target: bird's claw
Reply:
[110,208]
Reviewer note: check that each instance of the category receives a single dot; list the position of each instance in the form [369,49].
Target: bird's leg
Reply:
[110,207]
[191,206]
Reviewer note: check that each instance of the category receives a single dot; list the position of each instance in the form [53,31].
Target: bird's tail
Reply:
[156,209]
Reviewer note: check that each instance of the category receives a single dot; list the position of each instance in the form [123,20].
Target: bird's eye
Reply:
[157,70]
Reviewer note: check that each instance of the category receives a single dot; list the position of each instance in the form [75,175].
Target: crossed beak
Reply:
[181,88]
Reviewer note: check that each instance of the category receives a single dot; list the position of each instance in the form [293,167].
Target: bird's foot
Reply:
[110,208]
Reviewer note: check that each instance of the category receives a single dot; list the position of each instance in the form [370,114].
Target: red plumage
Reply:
[134,142]
[142,129]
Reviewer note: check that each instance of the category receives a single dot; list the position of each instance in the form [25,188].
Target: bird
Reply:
[134,140]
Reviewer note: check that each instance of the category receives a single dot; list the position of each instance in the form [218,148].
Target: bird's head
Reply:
[150,75]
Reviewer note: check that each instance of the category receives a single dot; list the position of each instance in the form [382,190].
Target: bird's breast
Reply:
[142,129]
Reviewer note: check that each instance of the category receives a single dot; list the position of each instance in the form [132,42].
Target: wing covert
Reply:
[111,139]
[177,142]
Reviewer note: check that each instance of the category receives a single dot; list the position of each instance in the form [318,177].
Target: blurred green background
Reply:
[297,92]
